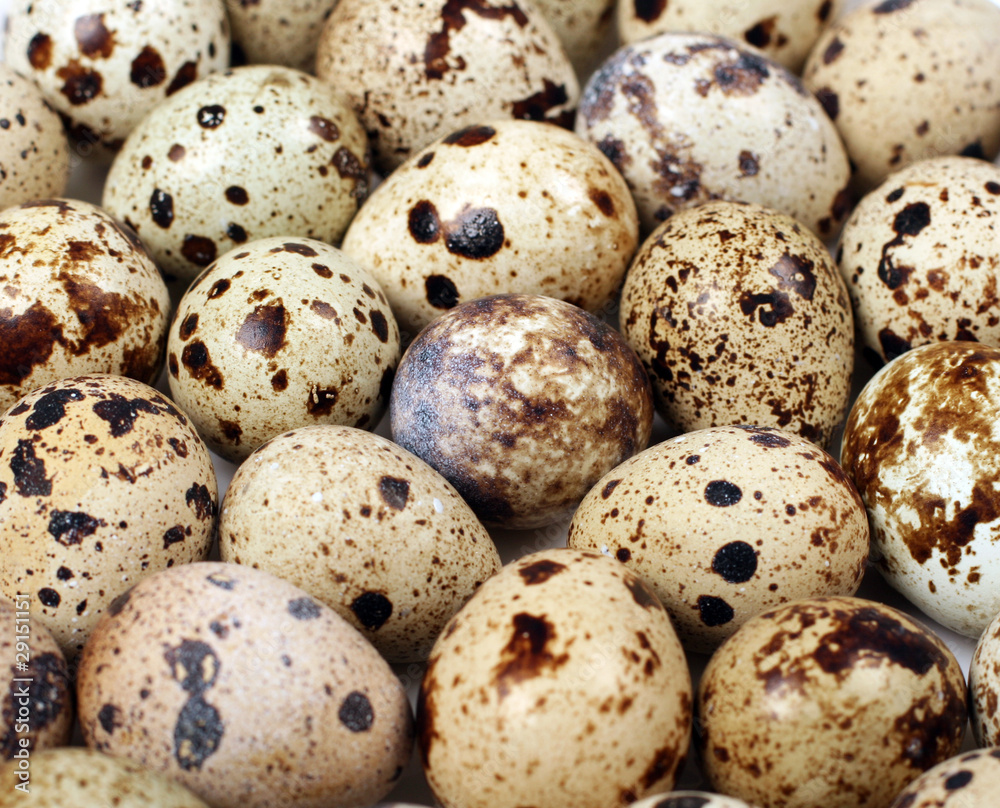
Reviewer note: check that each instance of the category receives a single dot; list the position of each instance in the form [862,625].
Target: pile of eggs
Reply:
[437,404]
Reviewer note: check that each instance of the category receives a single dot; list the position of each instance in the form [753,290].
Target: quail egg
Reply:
[984,686]
[279,32]
[966,781]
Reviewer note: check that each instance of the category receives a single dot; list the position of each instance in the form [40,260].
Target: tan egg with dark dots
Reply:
[741,317]
[728,522]
[286,332]
[690,799]
[104,65]
[921,257]
[34,153]
[36,705]
[690,118]
[76,456]
[363,526]
[84,778]
[965,781]
[245,689]
[789,706]
[922,447]
[256,152]
[78,294]
[909,79]
[279,32]
[521,402]
[561,683]
[512,206]
[584,28]
[430,67]
[984,686]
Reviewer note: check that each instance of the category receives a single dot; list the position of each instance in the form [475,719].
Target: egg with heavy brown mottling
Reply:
[433,66]
[910,79]
[255,152]
[76,456]
[690,799]
[285,332]
[741,317]
[921,257]
[789,706]
[363,526]
[922,445]
[246,690]
[78,294]
[727,522]
[965,781]
[561,683]
[279,32]
[689,118]
[512,206]
[522,402]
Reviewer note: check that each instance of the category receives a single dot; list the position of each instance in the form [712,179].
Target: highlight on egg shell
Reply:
[969,780]
[690,799]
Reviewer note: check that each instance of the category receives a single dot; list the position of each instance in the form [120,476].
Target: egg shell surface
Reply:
[984,686]
[965,781]
[583,27]
[279,32]
[690,799]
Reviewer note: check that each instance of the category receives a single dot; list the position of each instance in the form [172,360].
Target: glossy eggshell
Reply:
[909,80]
[78,294]
[279,32]
[561,683]
[965,781]
[255,152]
[984,686]
[286,332]
[522,402]
[246,690]
[433,66]
[740,316]
[789,706]
[922,444]
[725,523]
[363,526]
[688,118]
[690,799]
[75,458]
[513,206]
[921,257]
[106,65]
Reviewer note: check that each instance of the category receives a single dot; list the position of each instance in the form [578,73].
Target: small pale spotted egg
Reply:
[790,704]
[690,799]
[561,683]
[725,523]
[279,32]
[984,686]
[966,781]
[363,526]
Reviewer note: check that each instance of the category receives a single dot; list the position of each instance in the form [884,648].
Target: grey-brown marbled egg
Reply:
[910,79]
[78,294]
[425,68]
[922,444]
[513,206]
[364,527]
[255,152]
[279,32]
[965,781]
[561,683]
[688,118]
[285,332]
[522,402]
[984,686]
[741,317]
[103,481]
[728,522]
[690,799]
[828,701]
[246,690]
[921,257]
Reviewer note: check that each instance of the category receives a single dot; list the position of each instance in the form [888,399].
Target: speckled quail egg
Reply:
[790,704]
[688,118]
[256,152]
[783,30]
[279,32]
[430,67]
[34,154]
[78,294]
[583,27]
[922,444]
[909,79]
[104,65]
[246,690]
[84,778]
[561,683]
[522,402]
[363,526]
[690,799]
[740,316]
[725,523]
[36,709]
[513,206]
[921,257]
[102,481]
[966,781]
[984,686]
[285,332]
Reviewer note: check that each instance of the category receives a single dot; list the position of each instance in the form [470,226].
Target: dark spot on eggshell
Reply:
[993,188]
[219,288]
[641,593]
[118,604]
[649,10]
[29,471]
[185,74]
[80,84]
[615,151]
[538,572]
[830,102]
[623,554]
[220,580]
[109,717]
[199,250]
[833,51]
[161,208]
[49,597]
[424,223]
[749,164]
[92,37]
[279,381]
[321,401]
[196,359]
[50,408]
[176,153]
[476,233]
[610,486]
[889,6]
[236,195]
[188,326]
[324,127]
[322,270]
[148,69]
[958,780]
[121,413]
[714,611]
[722,493]
[736,562]
[603,200]
[742,76]
[199,728]
[304,609]
[40,51]
[349,167]
[769,440]
[380,326]
[683,802]
[232,431]
[356,712]
[910,221]
[179,447]
[527,654]
[453,19]
[537,106]
[795,274]
[211,117]
[441,292]
[394,492]
[200,498]
[264,330]
[372,609]
[425,160]
[175,535]
[72,527]
[470,136]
